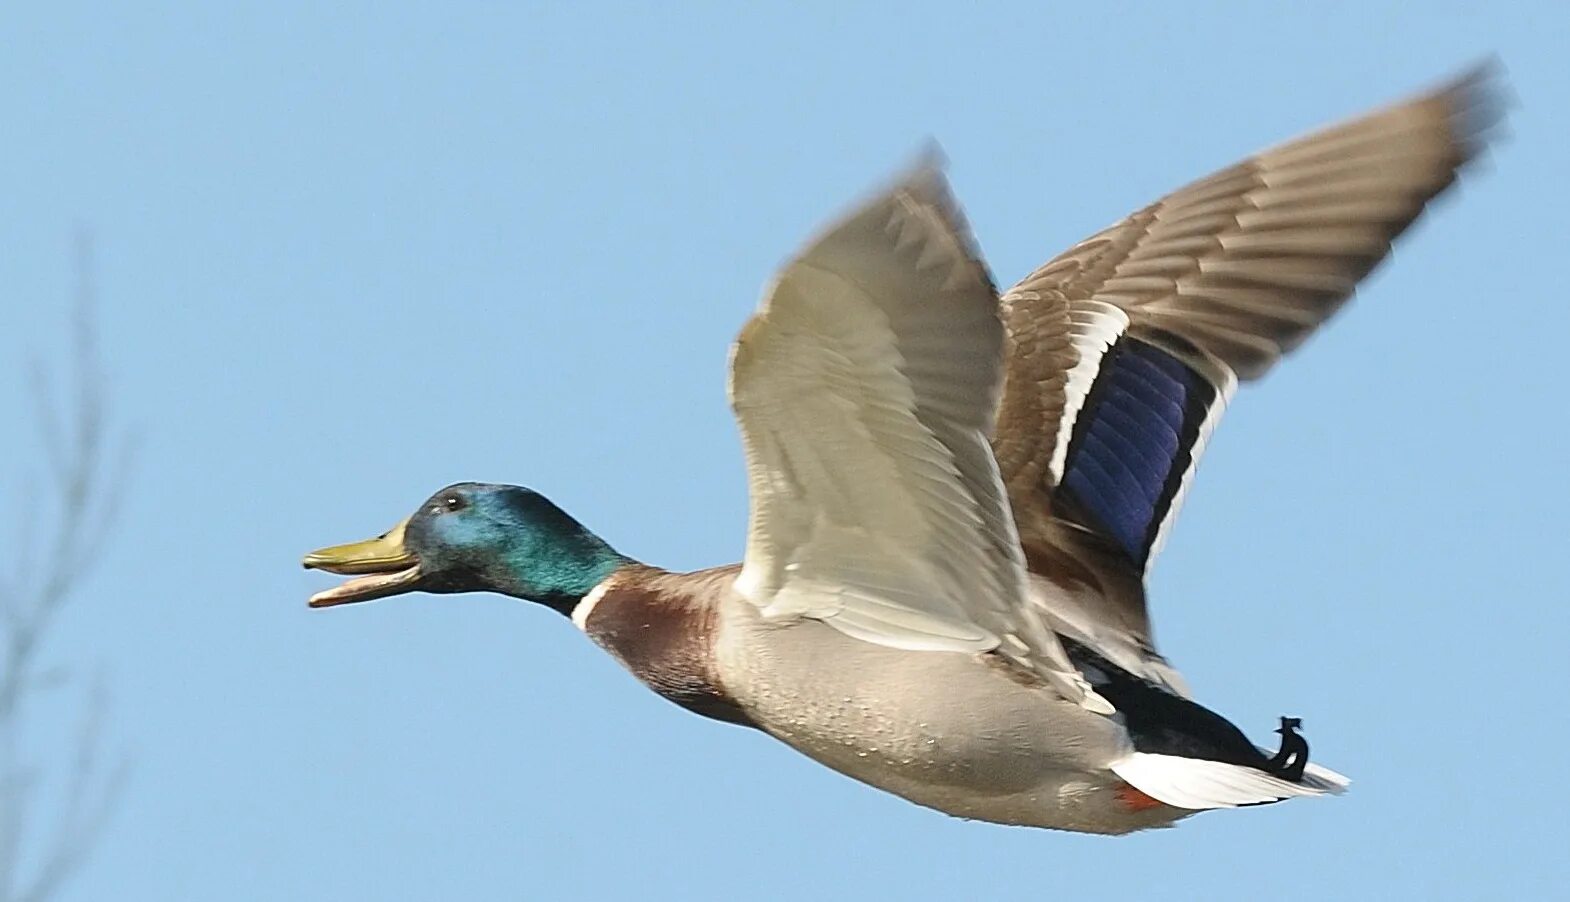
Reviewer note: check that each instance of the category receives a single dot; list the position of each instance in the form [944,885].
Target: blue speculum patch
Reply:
[1132,443]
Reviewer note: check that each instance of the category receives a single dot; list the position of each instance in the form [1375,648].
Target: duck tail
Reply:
[1197,783]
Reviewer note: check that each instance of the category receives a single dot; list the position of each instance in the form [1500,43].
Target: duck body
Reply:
[988,746]
[963,733]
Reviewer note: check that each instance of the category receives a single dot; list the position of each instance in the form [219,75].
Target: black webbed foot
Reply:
[1288,764]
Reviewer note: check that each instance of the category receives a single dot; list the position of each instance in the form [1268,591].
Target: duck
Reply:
[956,493]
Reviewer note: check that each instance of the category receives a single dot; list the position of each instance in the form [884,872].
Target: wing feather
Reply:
[1225,276]
[866,389]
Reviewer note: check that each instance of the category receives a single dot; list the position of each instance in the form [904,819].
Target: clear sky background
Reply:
[348,256]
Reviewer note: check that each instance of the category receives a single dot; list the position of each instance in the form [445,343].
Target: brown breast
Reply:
[660,625]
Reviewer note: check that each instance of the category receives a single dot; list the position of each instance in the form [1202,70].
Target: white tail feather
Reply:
[1197,784]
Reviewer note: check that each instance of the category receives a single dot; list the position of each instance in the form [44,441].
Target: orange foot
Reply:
[1134,800]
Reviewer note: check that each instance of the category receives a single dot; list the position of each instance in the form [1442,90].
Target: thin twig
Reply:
[77,506]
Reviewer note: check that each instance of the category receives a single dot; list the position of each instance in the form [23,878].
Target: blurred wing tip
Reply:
[1479,99]
[927,185]
[930,157]
[926,179]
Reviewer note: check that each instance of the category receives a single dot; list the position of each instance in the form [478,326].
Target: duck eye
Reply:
[454,503]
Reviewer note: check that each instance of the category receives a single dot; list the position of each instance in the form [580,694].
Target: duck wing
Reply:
[1124,350]
[866,388]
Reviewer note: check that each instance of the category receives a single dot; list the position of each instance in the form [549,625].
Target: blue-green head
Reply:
[474,537]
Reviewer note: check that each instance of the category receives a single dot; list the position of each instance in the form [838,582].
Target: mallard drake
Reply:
[956,496]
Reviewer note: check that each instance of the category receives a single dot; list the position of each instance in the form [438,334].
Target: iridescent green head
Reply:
[474,537]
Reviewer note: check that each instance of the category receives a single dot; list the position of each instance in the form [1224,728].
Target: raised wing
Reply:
[1125,349]
[865,388]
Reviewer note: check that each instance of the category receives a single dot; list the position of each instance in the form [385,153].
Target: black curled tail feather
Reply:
[1290,762]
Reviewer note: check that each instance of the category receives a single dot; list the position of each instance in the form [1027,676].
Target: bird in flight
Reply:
[956,495]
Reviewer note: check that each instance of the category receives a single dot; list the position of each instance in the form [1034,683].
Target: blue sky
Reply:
[348,256]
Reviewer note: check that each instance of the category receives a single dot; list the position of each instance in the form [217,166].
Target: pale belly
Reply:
[946,730]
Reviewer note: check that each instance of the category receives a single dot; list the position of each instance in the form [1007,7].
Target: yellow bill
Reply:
[381,566]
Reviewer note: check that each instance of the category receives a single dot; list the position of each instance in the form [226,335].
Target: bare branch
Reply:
[87,463]
[89,801]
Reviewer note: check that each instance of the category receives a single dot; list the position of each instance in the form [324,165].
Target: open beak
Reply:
[381,567]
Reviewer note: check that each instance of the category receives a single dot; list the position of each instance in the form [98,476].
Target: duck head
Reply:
[473,537]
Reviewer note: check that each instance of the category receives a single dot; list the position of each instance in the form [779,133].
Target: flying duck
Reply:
[956,495]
